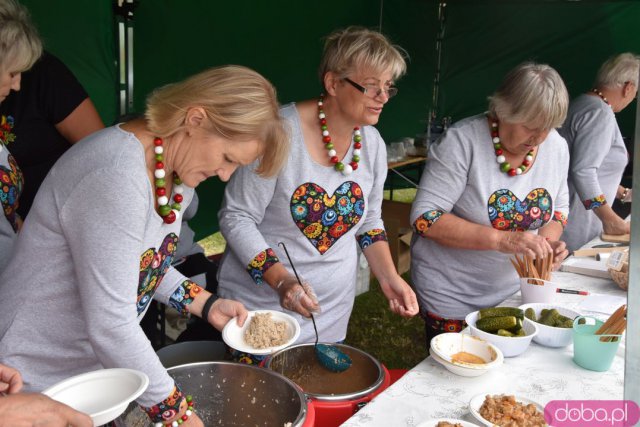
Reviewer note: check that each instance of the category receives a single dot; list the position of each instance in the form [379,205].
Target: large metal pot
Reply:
[232,394]
[334,396]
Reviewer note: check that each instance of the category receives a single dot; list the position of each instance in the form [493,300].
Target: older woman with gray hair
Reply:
[598,153]
[494,185]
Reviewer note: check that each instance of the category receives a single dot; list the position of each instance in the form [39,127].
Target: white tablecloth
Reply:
[542,374]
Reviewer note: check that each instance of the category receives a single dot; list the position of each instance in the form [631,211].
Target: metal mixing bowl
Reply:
[233,394]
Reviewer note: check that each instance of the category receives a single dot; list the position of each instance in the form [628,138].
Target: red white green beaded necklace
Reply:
[502,160]
[601,95]
[333,155]
[169,213]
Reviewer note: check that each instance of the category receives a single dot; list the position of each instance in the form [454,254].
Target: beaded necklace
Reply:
[601,95]
[169,213]
[502,160]
[328,145]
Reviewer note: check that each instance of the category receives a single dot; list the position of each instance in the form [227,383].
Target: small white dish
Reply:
[233,335]
[550,336]
[445,346]
[476,403]
[458,370]
[434,422]
[103,395]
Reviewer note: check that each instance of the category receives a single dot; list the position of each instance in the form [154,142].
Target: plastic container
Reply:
[589,351]
[335,397]
[510,346]
[550,336]
[445,346]
[540,293]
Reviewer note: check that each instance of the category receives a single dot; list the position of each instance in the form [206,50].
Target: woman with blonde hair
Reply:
[104,230]
[325,202]
[495,185]
[598,153]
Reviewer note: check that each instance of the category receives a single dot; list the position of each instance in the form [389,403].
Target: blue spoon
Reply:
[329,356]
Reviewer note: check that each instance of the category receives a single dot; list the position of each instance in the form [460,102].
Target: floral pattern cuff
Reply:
[184,295]
[426,221]
[168,408]
[561,218]
[594,203]
[370,237]
[260,264]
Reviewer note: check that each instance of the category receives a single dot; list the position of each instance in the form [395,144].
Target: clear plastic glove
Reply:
[298,297]
[628,198]
[524,243]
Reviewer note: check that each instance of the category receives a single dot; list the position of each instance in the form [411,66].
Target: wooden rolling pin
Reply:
[596,251]
[623,238]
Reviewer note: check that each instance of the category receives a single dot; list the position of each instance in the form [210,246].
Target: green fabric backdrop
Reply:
[282,39]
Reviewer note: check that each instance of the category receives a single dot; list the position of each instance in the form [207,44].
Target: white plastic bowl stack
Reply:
[444,346]
[510,346]
[551,336]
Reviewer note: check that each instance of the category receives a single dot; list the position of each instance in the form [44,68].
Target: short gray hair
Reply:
[618,70]
[531,93]
[354,47]
[20,45]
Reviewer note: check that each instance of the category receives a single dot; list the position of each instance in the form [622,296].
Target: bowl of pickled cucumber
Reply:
[504,327]
[554,323]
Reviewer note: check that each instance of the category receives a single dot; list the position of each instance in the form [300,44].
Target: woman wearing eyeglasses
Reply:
[598,153]
[325,202]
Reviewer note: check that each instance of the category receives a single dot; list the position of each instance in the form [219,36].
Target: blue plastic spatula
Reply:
[329,356]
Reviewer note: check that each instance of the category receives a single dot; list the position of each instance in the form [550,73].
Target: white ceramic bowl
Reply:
[544,292]
[434,422]
[510,346]
[551,336]
[476,403]
[444,346]
[233,335]
[103,395]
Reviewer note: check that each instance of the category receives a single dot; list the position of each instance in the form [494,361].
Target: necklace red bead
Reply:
[169,213]
[601,95]
[501,159]
[333,155]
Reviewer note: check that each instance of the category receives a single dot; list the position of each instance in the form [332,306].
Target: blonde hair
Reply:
[240,105]
[618,70]
[354,47]
[20,45]
[531,93]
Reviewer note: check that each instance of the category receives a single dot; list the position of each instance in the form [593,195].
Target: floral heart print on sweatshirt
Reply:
[11,182]
[153,266]
[324,218]
[508,212]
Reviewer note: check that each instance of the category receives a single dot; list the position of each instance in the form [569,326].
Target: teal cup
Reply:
[588,349]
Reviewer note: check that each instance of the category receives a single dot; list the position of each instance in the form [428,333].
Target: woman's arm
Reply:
[82,121]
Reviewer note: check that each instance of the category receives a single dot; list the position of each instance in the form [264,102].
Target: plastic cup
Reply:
[537,291]
[588,351]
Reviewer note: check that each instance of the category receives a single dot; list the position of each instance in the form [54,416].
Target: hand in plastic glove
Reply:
[524,243]
[35,409]
[297,297]
[628,197]
[10,380]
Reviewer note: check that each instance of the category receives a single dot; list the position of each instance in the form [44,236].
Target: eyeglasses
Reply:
[391,91]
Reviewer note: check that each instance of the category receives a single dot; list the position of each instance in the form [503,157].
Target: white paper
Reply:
[599,303]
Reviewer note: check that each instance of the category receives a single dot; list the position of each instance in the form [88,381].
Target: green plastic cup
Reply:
[588,351]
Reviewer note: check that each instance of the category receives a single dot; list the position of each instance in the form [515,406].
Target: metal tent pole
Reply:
[123,11]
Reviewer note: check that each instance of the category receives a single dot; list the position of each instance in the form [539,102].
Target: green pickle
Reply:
[530,314]
[505,333]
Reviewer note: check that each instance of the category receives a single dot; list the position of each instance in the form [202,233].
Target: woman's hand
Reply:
[224,310]
[616,226]
[402,299]
[560,252]
[35,409]
[10,380]
[296,296]
[524,243]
